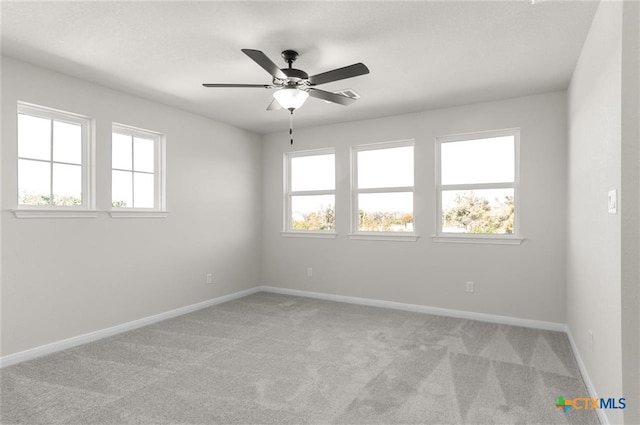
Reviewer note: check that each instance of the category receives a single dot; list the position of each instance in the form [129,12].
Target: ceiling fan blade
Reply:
[263,86]
[261,59]
[274,106]
[339,74]
[330,97]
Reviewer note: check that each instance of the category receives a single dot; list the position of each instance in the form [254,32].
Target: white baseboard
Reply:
[64,344]
[602,415]
[104,333]
[492,318]
[506,320]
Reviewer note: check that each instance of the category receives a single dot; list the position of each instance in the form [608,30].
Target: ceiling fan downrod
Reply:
[289,56]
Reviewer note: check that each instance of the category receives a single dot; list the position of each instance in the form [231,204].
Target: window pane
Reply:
[316,212]
[489,160]
[385,212]
[392,167]
[143,190]
[478,211]
[316,172]
[121,188]
[121,152]
[34,137]
[67,142]
[67,185]
[143,154]
[34,182]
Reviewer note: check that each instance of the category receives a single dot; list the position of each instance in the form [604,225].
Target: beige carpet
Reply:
[275,359]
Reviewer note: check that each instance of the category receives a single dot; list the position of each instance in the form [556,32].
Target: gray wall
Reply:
[630,214]
[603,254]
[525,281]
[66,277]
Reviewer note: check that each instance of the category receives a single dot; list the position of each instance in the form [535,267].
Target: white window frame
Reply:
[87,209]
[355,191]
[288,231]
[507,239]
[159,209]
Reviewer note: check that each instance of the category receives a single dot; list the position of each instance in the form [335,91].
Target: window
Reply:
[54,160]
[477,182]
[137,171]
[310,196]
[382,189]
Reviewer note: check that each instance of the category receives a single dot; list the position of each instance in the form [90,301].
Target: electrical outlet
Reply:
[209,278]
[309,271]
[470,286]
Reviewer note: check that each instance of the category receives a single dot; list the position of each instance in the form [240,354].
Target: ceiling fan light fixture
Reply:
[290,98]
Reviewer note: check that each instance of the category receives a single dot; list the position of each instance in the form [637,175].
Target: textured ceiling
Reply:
[422,54]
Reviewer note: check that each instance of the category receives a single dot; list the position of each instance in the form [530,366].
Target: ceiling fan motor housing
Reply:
[295,77]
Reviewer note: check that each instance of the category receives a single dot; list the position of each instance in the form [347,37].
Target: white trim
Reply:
[384,145]
[51,113]
[64,344]
[479,186]
[312,152]
[602,415]
[302,234]
[486,134]
[54,213]
[136,213]
[313,192]
[398,189]
[484,239]
[470,315]
[384,236]
[129,130]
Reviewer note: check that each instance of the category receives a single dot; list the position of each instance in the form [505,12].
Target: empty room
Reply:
[322,212]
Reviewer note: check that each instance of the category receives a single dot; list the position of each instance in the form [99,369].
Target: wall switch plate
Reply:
[613,201]
[209,278]
[470,286]
[309,272]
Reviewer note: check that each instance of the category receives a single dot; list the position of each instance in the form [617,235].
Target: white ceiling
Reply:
[422,54]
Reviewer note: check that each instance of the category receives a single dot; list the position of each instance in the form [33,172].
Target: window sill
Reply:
[54,213]
[138,214]
[317,235]
[488,240]
[399,237]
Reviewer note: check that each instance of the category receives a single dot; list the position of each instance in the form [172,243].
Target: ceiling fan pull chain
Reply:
[291,125]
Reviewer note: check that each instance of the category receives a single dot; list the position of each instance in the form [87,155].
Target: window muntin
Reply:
[382,188]
[54,149]
[310,191]
[477,184]
[136,169]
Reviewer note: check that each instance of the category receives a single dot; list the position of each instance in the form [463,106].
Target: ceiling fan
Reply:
[294,86]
